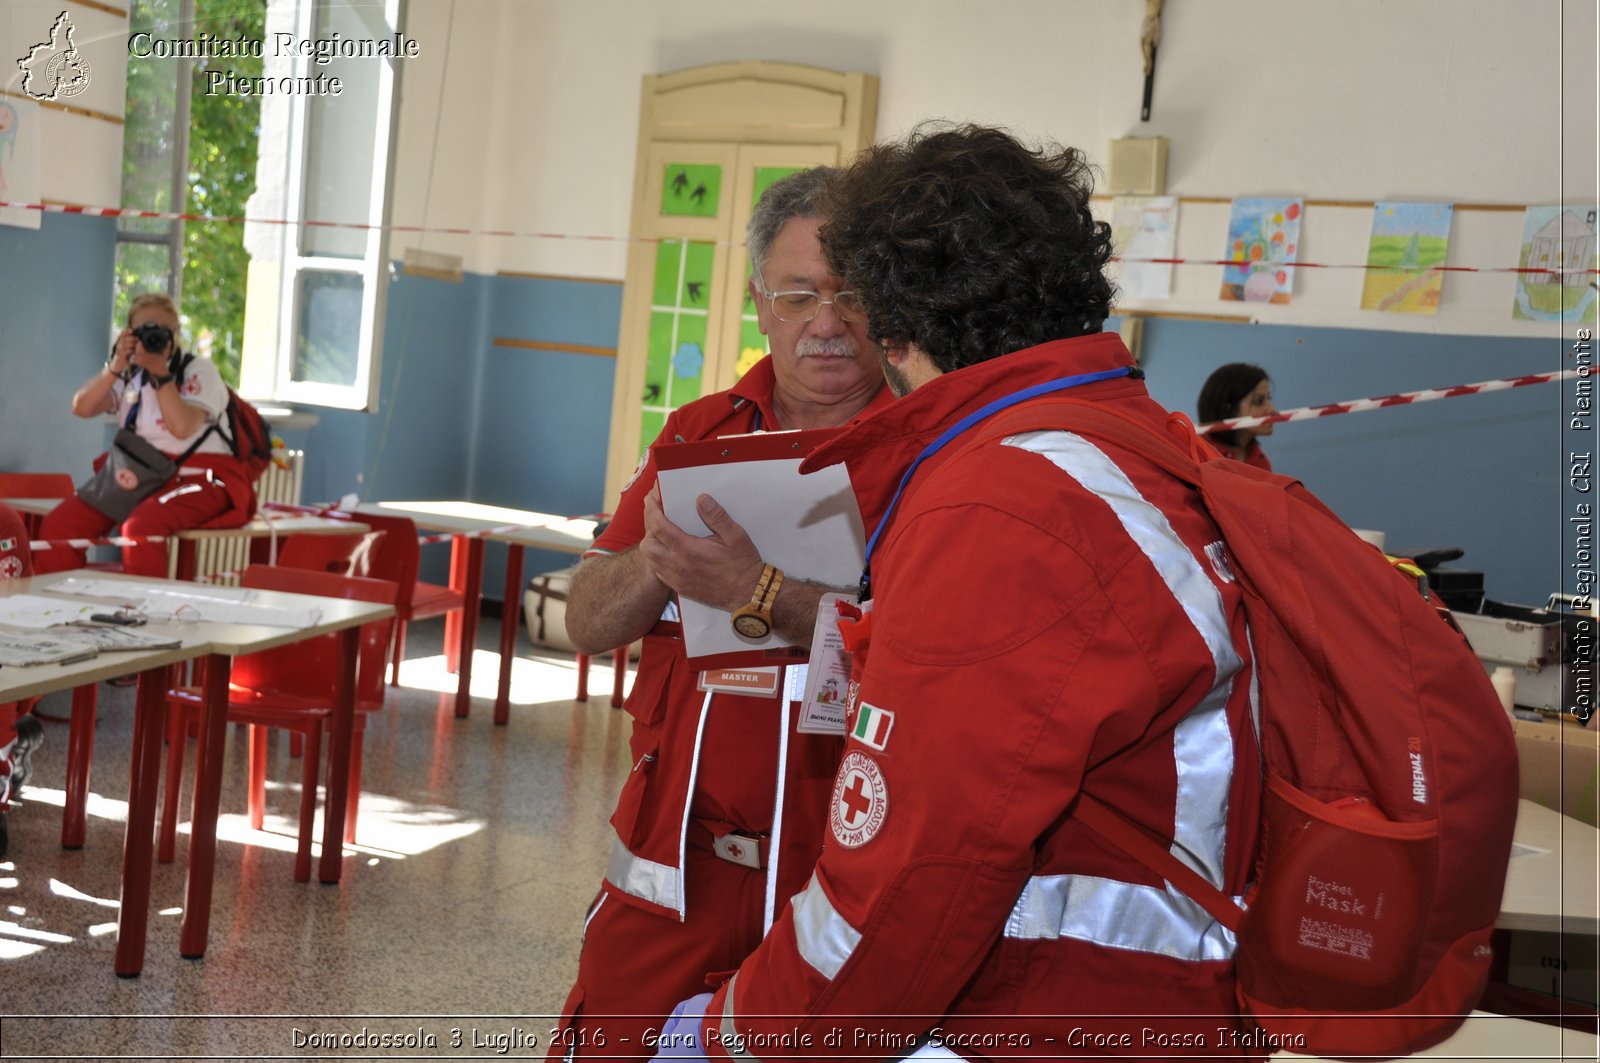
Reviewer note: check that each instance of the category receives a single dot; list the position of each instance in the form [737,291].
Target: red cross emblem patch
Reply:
[860,800]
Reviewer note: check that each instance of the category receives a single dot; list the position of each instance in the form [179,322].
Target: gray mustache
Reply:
[836,347]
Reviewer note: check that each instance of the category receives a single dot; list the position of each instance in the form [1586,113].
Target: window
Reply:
[314,314]
[188,151]
[149,256]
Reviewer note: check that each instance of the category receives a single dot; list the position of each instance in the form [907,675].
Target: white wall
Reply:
[80,158]
[1469,101]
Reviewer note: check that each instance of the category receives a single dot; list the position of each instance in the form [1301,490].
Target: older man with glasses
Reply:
[686,894]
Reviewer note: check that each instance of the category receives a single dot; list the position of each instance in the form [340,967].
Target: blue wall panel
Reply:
[1482,472]
[545,416]
[55,321]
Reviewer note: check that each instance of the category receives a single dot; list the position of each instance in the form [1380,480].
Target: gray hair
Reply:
[800,195]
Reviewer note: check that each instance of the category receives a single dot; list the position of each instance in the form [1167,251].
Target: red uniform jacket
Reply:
[725,753]
[1050,616]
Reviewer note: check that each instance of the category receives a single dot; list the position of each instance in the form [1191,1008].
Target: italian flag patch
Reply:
[872,726]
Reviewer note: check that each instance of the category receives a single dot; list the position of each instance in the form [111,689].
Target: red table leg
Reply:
[80,754]
[207,801]
[472,592]
[340,735]
[459,548]
[510,619]
[619,661]
[144,777]
[583,677]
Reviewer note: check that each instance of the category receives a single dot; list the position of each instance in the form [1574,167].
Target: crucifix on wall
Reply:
[1149,37]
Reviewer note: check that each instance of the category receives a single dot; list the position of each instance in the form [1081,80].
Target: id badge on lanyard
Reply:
[828,679]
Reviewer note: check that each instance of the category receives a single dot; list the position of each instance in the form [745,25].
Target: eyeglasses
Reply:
[804,305]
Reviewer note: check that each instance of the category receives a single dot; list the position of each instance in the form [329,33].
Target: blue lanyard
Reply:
[1005,402]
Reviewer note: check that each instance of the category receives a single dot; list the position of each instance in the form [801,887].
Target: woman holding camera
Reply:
[171,401]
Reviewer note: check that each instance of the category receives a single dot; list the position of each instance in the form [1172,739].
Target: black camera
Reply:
[153,336]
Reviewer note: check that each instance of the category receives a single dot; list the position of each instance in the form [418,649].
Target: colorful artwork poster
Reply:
[1144,228]
[19,162]
[1559,242]
[1408,245]
[691,190]
[1263,236]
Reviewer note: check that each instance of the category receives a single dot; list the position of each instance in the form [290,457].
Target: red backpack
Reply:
[247,434]
[1391,773]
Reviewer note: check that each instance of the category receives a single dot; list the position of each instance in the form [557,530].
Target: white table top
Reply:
[198,638]
[37,507]
[548,531]
[1555,889]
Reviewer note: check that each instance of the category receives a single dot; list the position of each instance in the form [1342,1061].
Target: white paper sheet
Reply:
[217,605]
[36,612]
[808,526]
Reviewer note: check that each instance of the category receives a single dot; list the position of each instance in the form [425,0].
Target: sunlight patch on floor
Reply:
[387,828]
[534,681]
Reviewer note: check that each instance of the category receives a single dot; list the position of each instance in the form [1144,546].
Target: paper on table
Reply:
[808,526]
[218,605]
[133,590]
[22,648]
[37,611]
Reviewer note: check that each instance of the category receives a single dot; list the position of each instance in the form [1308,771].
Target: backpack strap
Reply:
[1097,419]
[1168,453]
[213,426]
[1143,846]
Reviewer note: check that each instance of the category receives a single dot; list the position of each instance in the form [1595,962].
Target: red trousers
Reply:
[183,502]
[635,966]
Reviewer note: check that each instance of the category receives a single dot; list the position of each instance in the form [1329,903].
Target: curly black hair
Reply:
[970,244]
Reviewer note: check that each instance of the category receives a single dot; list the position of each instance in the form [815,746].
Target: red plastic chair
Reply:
[397,558]
[289,688]
[35,485]
[342,555]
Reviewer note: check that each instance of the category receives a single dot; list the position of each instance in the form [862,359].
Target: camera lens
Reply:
[153,337]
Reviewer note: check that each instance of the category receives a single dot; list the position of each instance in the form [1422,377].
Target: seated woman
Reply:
[172,401]
[1238,390]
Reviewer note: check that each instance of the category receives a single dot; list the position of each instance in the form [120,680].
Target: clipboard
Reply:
[809,526]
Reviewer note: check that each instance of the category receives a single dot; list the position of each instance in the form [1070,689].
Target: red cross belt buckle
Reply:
[739,849]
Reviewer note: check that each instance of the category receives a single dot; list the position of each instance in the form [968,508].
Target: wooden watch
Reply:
[754,619]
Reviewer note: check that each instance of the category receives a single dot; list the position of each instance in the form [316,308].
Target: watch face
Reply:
[751,627]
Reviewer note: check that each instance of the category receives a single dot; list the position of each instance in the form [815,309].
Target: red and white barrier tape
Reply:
[1306,413]
[227,219]
[1295,264]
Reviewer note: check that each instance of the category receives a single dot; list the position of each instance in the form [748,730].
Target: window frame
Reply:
[371,268]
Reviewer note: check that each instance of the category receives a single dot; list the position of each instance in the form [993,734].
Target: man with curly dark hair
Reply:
[1052,619]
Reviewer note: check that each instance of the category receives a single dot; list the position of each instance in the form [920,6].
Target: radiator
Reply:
[283,485]
[218,559]
[213,557]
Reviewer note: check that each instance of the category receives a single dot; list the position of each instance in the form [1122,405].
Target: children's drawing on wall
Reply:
[1263,235]
[1142,228]
[1407,248]
[1562,240]
[19,162]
